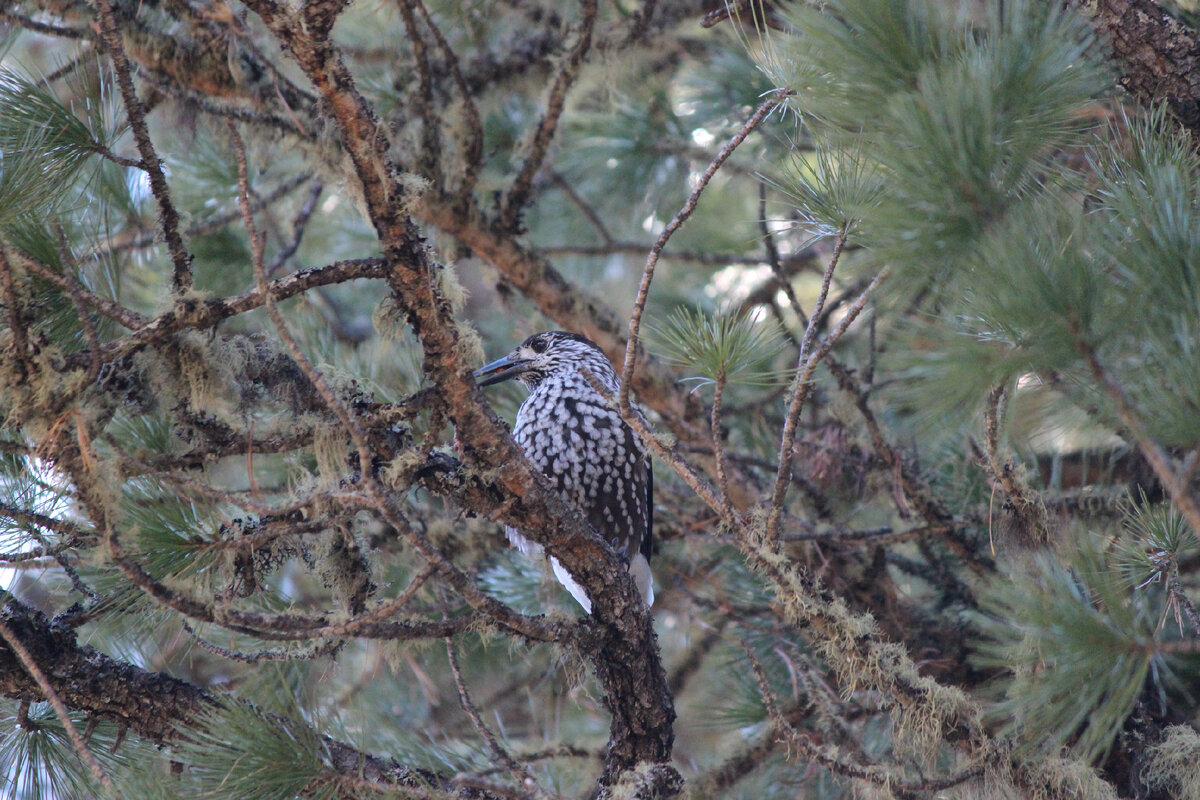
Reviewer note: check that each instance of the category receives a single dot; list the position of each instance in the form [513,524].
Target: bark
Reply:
[153,705]
[1157,56]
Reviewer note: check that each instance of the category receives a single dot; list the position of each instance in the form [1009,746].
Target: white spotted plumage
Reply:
[574,437]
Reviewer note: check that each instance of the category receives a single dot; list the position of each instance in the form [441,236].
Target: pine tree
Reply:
[907,293]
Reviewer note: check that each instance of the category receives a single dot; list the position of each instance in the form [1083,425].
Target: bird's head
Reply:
[544,355]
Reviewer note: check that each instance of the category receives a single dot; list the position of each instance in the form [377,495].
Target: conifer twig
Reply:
[726,509]
[801,388]
[832,759]
[299,225]
[639,305]
[60,708]
[118,313]
[518,193]
[588,212]
[12,306]
[810,330]
[431,149]
[1025,503]
[45,29]
[1180,599]
[181,279]
[1181,493]
[75,291]
[306,653]
[473,148]
[519,771]
[773,260]
[124,241]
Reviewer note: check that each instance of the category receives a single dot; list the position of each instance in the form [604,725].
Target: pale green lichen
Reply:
[330,447]
[1175,764]
[1064,779]
[389,319]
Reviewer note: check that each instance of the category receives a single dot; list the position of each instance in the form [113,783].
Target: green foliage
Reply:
[39,762]
[172,535]
[42,147]
[516,580]
[948,140]
[847,65]
[962,121]
[728,347]
[621,145]
[24,488]
[832,188]
[1078,649]
[238,753]
[1155,537]
[1150,241]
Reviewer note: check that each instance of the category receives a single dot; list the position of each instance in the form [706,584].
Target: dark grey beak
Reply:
[500,370]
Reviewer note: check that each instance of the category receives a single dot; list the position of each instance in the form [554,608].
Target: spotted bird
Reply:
[578,441]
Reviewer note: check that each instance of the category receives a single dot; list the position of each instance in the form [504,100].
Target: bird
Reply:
[577,440]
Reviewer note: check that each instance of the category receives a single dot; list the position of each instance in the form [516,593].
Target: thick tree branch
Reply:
[1158,57]
[152,704]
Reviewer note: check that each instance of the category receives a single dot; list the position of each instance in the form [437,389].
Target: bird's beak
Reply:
[500,370]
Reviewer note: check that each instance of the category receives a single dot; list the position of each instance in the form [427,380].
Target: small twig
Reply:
[67,68]
[1180,599]
[875,536]
[639,306]
[910,487]
[431,147]
[118,313]
[60,707]
[43,28]
[76,293]
[260,274]
[8,287]
[831,758]
[473,146]
[718,449]
[694,658]
[584,208]
[306,653]
[1026,505]
[773,259]
[290,124]
[129,163]
[622,247]
[181,279]
[764,689]
[299,225]
[244,500]
[1180,492]
[59,555]
[207,226]
[519,771]
[810,331]
[801,387]
[518,193]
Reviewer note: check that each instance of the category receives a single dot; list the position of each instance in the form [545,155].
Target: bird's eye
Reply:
[538,345]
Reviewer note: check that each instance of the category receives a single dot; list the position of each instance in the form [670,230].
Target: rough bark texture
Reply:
[1157,57]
